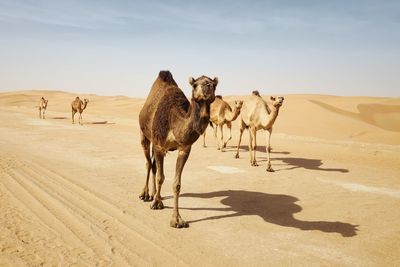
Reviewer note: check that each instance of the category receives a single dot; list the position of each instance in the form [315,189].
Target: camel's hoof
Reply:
[269,169]
[254,164]
[157,205]
[146,197]
[178,223]
[218,148]
[236,156]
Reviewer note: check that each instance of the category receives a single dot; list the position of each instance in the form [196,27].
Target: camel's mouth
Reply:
[204,97]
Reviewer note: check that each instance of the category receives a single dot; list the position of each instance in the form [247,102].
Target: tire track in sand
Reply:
[64,221]
[98,223]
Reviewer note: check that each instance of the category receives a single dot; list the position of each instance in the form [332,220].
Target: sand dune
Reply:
[69,193]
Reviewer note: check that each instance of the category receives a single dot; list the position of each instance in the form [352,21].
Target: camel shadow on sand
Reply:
[291,163]
[244,148]
[99,122]
[88,122]
[60,118]
[273,208]
[310,164]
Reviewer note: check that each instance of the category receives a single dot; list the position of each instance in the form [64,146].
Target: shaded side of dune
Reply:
[386,117]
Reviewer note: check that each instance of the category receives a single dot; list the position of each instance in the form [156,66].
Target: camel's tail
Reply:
[211,124]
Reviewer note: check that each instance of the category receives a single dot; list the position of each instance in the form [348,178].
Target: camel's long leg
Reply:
[80,118]
[229,126]
[221,138]
[44,112]
[40,113]
[252,146]
[154,171]
[157,202]
[146,149]
[204,138]
[268,148]
[73,114]
[240,139]
[215,129]
[176,220]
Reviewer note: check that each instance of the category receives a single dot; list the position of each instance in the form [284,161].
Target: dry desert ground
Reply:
[69,193]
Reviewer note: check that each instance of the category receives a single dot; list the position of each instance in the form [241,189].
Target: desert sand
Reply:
[69,193]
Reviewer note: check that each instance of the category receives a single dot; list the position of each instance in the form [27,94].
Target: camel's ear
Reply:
[191,80]
[215,81]
[283,98]
[272,98]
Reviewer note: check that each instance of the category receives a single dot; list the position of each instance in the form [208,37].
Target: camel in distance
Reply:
[42,106]
[221,113]
[78,106]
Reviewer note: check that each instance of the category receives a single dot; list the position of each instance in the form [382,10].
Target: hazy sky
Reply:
[277,47]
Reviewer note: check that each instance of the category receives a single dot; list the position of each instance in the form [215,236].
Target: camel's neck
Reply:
[232,115]
[199,116]
[190,127]
[270,119]
[84,105]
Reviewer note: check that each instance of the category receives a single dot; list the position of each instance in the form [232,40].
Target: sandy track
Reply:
[83,218]
[69,193]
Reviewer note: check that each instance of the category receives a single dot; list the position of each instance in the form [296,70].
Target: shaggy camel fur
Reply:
[169,121]
[42,107]
[78,106]
[258,114]
[221,113]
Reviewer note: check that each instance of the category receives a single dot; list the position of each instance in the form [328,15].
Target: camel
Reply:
[258,114]
[42,107]
[221,113]
[169,121]
[78,106]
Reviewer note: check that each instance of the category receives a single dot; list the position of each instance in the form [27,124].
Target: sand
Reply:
[69,193]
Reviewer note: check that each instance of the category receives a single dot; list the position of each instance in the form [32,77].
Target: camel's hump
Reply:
[166,76]
[219,96]
[255,92]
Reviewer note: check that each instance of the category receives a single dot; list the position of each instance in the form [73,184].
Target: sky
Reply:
[276,47]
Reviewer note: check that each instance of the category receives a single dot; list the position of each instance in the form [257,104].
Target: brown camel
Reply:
[42,107]
[169,121]
[78,106]
[258,114]
[221,113]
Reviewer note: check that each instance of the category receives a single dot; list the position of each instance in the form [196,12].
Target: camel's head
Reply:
[277,101]
[238,104]
[86,100]
[203,88]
